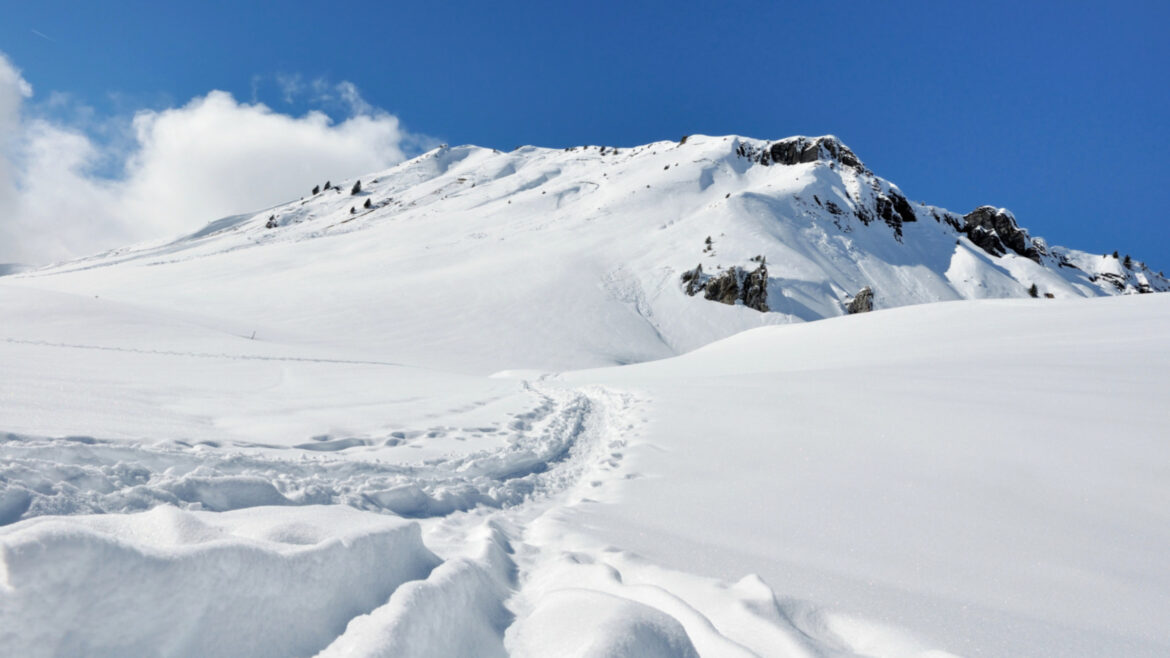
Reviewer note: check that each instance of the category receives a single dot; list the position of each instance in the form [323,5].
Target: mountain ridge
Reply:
[597,243]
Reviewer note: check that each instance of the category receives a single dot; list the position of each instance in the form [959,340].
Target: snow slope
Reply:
[474,260]
[484,418]
[992,476]
[982,478]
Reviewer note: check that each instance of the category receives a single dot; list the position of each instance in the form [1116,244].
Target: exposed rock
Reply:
[1116,280]
[755,289]
[986,240]
[903,207]
[797,150]
[894,209]
[725,287]
[955,221]
[736,284]
[996,231]
[694,280]
[862,303]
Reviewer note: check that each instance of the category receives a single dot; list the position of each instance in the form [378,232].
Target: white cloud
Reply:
[291,85]
[180,167]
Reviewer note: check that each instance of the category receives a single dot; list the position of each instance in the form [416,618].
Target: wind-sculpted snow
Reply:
[259,582]
[457,611]
[600,626]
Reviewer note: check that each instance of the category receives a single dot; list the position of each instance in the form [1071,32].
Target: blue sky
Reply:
[1056,110]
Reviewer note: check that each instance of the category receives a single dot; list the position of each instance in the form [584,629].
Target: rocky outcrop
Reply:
[798,150]
[734,285]
[694,280]
[755,289]
[724,288]
[862,303]
[995,231]
[795,150]
[894,210]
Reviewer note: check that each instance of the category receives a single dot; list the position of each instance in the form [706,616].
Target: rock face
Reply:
[734,285]
[755,289]
[725,287]
[694,280]
[862,303]
[894,210]
[797,150]
[996,231]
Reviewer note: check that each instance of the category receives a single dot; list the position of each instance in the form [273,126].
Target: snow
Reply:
[600,625]
[477,261]
[260,582]
[483,418]
[953,469]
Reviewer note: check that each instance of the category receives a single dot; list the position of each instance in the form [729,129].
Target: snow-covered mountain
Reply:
[598,255]
[528,404]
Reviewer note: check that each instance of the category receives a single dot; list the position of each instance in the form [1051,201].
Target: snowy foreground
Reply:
[972,478]
[482,417]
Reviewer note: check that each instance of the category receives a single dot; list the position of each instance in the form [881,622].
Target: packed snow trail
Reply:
[76,475]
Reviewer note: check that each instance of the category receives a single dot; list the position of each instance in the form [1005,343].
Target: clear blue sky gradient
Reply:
[1056,110]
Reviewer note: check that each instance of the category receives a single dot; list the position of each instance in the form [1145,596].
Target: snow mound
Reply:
[457,611]
[257,582]
[590,624]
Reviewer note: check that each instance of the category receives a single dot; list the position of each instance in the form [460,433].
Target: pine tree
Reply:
[316,189]
[357,187]
[1128,263]
[1034,291]
[369,204]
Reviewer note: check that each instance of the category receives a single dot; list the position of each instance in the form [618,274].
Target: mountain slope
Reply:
[201,439]
[472,259]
